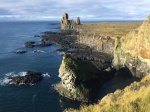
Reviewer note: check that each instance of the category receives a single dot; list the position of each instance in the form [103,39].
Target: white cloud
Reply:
[102,9]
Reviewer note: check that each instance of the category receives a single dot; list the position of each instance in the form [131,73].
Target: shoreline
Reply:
[70,39]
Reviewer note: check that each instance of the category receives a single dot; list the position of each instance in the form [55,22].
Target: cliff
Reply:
[80,80]
[134,98]
[101,36]
[133,50]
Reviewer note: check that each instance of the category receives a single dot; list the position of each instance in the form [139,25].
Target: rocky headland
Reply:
[95,56]
[131,52]
[80,80]
[84,70]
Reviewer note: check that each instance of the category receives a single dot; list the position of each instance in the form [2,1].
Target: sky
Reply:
[85,9]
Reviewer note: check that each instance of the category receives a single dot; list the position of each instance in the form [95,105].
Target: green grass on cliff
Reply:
[134,98]
[84,70]
[110,28]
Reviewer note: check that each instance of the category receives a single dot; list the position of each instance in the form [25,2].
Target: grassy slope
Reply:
[111,28]
[134,98]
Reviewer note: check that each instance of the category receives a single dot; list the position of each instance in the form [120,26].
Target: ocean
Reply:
[40,97]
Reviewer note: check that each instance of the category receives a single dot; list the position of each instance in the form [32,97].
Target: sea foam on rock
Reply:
[23,78]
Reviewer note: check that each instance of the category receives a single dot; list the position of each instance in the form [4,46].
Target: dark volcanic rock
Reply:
[36,35]
[43,45]
[61,50]
[20,52]
[30,78]
[29,43]
[29,46]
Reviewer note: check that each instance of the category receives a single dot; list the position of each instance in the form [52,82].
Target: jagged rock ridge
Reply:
[67,24]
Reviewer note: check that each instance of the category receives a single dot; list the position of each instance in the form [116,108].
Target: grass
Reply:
[134,98]
[111,28]
[84,70]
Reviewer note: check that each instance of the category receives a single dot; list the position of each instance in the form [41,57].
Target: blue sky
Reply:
[86,9]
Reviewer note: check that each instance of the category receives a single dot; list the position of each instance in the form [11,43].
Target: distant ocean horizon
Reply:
[82,21]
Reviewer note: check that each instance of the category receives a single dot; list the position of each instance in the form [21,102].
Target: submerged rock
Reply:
[36,35]
[20,51]
[30,78]
[29,43]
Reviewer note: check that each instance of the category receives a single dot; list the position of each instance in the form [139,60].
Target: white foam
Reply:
[4,81]
[38,51]
[13,74]
[46,75]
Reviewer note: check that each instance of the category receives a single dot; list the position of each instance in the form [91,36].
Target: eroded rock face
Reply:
[65,16]
[133,50]
[67,24]
[30,78]
[78,21]
[80,80]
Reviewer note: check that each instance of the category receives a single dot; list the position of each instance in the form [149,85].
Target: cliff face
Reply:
[97,42]
[133,50]
[80,80]
[134,98]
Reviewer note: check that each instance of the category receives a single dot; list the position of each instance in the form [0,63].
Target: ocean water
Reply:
[38,98]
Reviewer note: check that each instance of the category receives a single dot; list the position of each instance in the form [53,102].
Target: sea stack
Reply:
[78,21]
[67,24]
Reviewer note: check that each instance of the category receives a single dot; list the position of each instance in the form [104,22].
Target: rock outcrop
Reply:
[67,24]
[97,42]
[133,51]
[80,80]
[30,78]
[20,51]
[78,21]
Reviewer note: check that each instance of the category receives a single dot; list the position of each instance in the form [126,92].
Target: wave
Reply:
[6,81]
[46,75]
[38,51]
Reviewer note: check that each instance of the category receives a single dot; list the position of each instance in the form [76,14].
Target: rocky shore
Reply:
[30,78]
[88,66]
[83,70]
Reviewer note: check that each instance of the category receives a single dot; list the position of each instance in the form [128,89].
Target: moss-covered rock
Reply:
[80,80]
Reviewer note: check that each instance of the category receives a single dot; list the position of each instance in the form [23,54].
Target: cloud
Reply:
[102,9]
